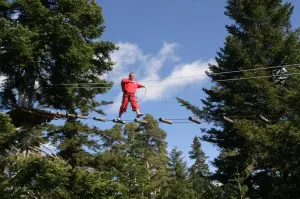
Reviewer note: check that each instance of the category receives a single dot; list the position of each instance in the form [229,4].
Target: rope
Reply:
[144,93]
[222,80]
[220,73]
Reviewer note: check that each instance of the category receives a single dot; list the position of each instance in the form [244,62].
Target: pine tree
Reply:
[178,185]
[7,132]
[111,157]
[199,171]
[199,168]
[146,158]
[136,157]
[261,37]
[43,45]
[154,154]
[134,174]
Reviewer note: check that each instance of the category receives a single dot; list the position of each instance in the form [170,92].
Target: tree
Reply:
[43,47]
[261,37]
[79,147]
[37,177]
[111,157]
[199,168]
[178,185]
[199,172]
[154,153]
[147,157]
[50,58]
[136,157]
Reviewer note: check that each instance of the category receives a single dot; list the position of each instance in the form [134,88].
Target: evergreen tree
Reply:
[261,37]
[199,172]
[43,45]
[199,168]
[154,154]
[178,185]
[136,157]
[7,133]
[134,175]
[147,157]
[76,144]
[111,157]
[34,176]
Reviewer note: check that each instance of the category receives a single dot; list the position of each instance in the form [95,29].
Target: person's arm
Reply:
[140,85]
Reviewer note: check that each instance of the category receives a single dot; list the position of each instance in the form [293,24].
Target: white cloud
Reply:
[147,67]
[125,57]
[194,72]
[167,52]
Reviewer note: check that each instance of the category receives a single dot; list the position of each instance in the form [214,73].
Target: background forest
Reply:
[52,57]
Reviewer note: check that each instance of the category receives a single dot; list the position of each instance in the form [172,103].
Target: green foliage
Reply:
[7,133]
[41,47]
[85,184]
[44,45]
[33,176]
[136,156]
[51,46]
[179,186]
[199,168]
[260,37]
[70,139]
[199,175]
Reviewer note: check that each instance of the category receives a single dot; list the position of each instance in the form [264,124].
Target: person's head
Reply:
[131,76]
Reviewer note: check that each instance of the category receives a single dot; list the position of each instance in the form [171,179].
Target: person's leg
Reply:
[135,106]
[123,106]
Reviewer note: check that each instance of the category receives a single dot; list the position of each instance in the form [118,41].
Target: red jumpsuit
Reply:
[129,89]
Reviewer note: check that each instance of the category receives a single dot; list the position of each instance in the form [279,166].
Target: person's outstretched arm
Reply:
[140,85]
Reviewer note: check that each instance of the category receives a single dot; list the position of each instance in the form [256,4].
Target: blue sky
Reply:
[159,40]
[163,39]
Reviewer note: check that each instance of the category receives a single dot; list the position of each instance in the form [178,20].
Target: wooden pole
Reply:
[264,119]
[141,121]
[99,119]
[165,121]
[194,120]
[82,116]
[227,119]
[119,121]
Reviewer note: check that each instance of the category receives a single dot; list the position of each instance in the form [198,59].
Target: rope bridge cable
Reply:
[200,75]
[223,80]
[228,118]
[193,120]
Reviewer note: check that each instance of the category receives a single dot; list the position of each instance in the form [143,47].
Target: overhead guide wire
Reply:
[212,74]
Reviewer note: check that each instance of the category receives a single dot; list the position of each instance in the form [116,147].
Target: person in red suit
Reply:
[129,87]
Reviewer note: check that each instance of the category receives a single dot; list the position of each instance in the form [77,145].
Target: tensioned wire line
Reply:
[222,80]
[130,120]
[180,77]
[184,121]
